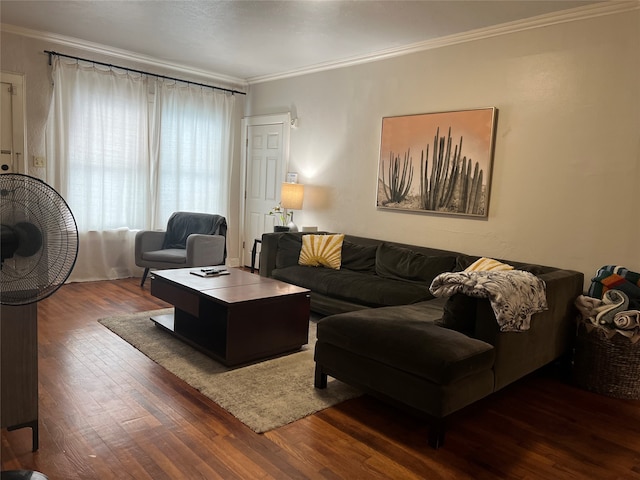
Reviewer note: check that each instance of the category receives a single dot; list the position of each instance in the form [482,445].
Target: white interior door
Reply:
[12,149]
[265,161]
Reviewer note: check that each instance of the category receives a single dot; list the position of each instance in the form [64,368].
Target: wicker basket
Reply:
[610,366]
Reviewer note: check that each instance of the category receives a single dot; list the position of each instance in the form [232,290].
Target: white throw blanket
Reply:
[514,295]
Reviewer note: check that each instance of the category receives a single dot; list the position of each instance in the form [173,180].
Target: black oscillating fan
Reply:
[38,249]
[39,240]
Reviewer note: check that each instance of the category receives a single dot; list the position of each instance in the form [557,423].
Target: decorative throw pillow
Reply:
[488,264]
[322,251]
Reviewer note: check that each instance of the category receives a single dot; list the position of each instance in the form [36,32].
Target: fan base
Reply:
[22,475]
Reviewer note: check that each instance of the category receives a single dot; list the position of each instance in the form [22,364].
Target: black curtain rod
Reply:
[164,77]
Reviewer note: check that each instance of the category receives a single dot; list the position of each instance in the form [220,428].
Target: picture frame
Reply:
[437,163]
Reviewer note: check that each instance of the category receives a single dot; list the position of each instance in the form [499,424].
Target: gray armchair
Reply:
[190,240]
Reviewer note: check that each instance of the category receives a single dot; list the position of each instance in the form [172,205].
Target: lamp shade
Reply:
[291,196]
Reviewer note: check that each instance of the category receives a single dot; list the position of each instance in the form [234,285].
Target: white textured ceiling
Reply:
[249,40]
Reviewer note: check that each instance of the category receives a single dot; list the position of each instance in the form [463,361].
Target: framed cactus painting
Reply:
[437,162]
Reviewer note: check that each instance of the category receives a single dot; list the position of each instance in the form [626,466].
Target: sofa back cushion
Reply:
[356,257]
[463,262]
[401,263]
[359,258]
[459,313]
[288,252]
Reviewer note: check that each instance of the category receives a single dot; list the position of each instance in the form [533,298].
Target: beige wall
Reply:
[25,55]
[567,158]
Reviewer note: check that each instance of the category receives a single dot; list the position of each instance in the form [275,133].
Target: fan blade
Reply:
[29,239]
[8,242]
[24,239]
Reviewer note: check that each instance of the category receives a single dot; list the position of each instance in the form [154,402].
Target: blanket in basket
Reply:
[616,277]
[611,314]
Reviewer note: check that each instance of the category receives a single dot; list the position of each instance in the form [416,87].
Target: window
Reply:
[125,159]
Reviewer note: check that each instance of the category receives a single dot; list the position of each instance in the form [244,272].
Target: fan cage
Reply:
[30,279]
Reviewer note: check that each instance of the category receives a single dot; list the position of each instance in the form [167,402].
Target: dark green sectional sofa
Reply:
[384,332]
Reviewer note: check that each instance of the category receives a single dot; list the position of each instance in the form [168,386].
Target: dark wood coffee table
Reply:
[236,318]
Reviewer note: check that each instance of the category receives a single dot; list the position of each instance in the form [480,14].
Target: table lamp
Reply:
[291,196]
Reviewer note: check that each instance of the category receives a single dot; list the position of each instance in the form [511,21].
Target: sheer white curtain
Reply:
[191,151]
[123,158]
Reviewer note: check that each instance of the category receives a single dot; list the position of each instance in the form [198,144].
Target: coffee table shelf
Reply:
[236,318]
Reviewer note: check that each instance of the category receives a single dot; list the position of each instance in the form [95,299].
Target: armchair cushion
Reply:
[170,255]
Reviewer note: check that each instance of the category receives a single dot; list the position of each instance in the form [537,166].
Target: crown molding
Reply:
[608,7]
[121,54]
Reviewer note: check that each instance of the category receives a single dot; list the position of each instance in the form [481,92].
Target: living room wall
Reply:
[567,153]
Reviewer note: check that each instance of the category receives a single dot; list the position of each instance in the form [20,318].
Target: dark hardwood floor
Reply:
[108,412]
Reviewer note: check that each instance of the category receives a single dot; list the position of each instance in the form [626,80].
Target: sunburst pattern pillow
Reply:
[321,251]
[488,265]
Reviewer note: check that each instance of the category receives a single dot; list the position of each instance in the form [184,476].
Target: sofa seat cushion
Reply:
[405,339]
[169,255]
[362,288]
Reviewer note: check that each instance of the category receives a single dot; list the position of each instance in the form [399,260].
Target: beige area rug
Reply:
[263,396]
